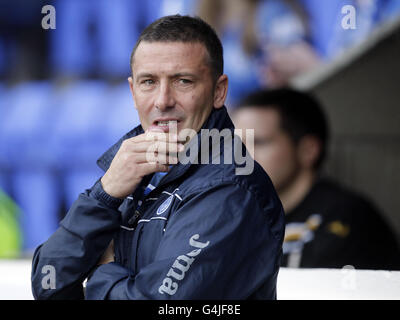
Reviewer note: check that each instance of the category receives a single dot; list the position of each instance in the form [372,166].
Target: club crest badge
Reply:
[165,205]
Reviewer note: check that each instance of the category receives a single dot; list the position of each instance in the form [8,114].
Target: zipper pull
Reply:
[134,219]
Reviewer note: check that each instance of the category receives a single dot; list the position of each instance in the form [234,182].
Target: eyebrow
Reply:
[184,74]
[176,75]
[144,75]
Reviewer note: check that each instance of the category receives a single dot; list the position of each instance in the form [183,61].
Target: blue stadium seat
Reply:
[323,21]
[110,118]
[24,136]
[122,116]
[391,10]
[117,31]
[4,185]
[27,125]
[241,70]
[76,181]
[155,9]
[3,109]
[71,43]
[3,164]
[95,36]
[78,131]
[2,57]
[37,194]
[79,137]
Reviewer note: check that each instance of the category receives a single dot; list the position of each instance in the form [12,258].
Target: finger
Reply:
[163,158]
[167,147]
[151,157]
[156,146]
[151,167]
[148,136]
[164,136]
[153,136]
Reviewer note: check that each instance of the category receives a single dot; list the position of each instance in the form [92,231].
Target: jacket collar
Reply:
[218,119]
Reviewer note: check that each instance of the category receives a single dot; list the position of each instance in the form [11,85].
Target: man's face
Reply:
[273,148]
[172,81]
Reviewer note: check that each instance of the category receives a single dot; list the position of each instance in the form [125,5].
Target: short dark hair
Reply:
[177,28]
[300,112]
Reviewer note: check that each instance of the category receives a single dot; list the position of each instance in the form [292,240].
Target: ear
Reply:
[309,149]
[130,80]
[221,90]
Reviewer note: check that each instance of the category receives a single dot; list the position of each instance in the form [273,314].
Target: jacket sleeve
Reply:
[221,243]
[61,264]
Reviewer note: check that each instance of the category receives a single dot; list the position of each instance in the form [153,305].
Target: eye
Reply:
[147,82]
[261,141]
[184,81]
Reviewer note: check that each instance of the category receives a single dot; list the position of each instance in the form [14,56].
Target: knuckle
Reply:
[125,157]
[124,144]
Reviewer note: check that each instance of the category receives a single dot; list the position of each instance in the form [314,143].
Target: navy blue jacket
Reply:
[203,233]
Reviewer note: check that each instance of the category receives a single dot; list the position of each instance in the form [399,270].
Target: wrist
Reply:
[100,194]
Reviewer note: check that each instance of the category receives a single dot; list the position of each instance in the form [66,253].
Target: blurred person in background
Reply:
[10,234]
[286,43]
[327,225]
[266,42]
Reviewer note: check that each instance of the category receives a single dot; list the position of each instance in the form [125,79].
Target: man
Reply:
[327,226]
[196,231]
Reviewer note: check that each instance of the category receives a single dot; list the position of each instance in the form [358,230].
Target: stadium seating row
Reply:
[50,138]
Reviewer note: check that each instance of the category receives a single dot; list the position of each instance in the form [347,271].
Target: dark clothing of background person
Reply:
[333,227]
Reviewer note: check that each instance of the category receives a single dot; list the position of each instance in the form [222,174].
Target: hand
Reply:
[138,157]
[286,62]
[108,255]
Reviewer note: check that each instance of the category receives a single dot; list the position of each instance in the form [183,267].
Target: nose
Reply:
[165,98]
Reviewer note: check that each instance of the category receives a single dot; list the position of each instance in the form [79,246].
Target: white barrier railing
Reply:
[293,284]
[338,284]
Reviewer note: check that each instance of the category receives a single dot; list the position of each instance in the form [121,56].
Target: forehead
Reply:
[170,56]
[262,120]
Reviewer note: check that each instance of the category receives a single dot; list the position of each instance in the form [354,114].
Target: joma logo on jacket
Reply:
[170,287]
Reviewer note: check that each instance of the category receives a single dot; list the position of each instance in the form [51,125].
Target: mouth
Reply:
[166,122]
[166,125]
